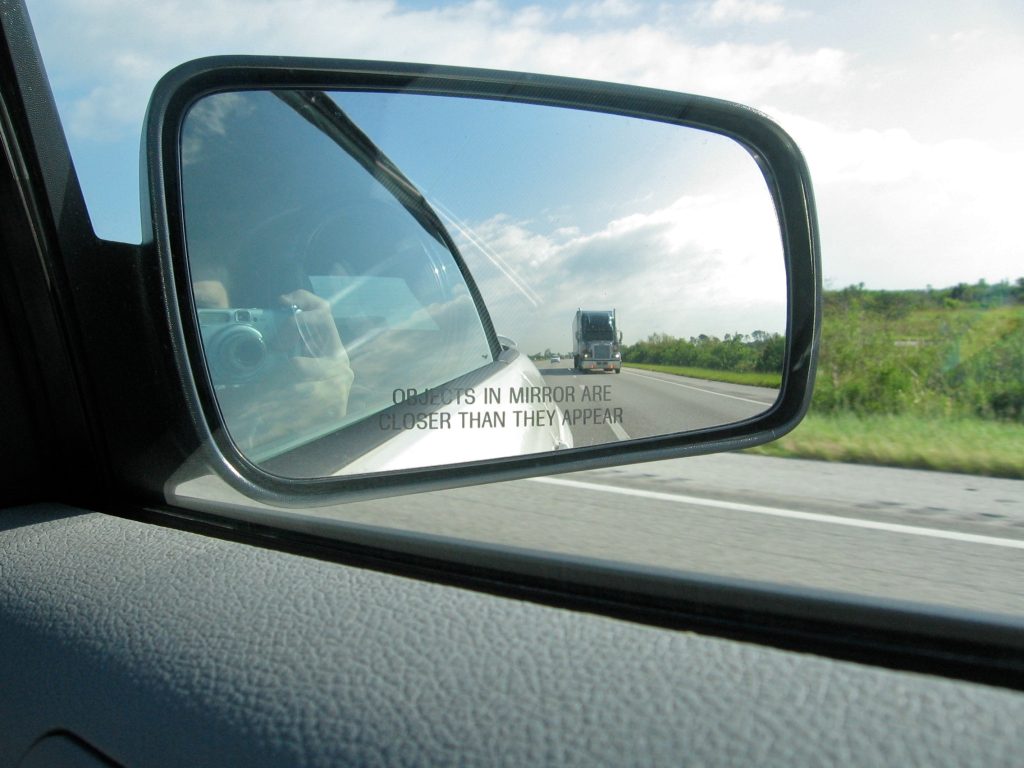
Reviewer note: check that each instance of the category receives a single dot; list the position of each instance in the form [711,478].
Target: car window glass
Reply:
[912,134]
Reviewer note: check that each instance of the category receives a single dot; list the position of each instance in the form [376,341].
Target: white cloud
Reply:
[912,134]
[710,263]
[131,44]
[104,113]
[602,10]
[909,212]
[209,117]
[723,12]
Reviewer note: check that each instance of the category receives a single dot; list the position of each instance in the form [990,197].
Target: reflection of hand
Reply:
[304,398]
[210,294]
[322,367]
[314,324]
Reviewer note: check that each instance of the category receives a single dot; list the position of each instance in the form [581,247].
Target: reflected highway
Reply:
[650,403]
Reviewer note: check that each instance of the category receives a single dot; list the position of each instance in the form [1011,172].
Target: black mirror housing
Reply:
[776,155]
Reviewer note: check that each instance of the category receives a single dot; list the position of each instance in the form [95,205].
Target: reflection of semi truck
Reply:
[596,341]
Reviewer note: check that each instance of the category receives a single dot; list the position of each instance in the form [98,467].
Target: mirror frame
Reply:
[781,163]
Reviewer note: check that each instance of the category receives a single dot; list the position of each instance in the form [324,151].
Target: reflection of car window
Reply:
[274,206]
[382,302]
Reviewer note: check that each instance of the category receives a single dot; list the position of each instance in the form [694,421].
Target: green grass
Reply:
[772,380]
[928,380]
[970,446]
[956,362]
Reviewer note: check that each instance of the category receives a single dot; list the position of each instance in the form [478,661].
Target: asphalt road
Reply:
[944,539]
[652,403]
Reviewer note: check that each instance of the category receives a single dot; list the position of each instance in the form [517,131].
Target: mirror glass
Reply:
[389,281]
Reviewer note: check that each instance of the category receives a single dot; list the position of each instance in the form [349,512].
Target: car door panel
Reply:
[166,647]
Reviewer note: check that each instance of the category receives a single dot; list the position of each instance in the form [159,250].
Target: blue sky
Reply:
[909,113]
[557,209]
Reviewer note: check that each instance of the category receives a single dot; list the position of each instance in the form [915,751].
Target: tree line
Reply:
[758,351]
[937,353]
[896,304]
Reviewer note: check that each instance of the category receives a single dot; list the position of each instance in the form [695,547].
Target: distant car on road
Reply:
[556,359]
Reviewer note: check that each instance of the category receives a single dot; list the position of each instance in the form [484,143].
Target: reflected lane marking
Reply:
[619,431]
[935,533]
[616,428]
[632,372]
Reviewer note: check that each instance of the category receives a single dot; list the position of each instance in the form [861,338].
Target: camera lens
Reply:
[241,353]
[247,354]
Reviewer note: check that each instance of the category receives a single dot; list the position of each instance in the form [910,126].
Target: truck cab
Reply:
[596,341]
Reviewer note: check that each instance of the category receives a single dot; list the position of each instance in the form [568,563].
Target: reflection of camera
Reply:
[240,344]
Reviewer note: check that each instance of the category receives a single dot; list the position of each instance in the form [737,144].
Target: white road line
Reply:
[935,533]
[618,430]
[633,372]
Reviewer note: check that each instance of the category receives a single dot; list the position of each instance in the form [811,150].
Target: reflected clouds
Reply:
[211,117]
[706,263]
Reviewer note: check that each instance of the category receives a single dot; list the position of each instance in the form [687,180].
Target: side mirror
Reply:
[348,246]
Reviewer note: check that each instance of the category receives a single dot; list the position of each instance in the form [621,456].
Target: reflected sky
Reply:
[555,209]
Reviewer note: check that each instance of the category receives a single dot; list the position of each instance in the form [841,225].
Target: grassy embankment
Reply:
[924,379]
[971,446]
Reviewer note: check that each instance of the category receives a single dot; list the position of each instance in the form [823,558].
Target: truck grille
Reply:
[602,351]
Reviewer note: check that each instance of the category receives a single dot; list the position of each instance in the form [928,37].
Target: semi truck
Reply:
[596,341]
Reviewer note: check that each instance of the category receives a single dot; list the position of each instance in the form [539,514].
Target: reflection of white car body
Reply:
[463,431]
